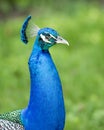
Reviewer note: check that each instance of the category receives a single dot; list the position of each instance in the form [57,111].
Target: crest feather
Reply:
[28,30]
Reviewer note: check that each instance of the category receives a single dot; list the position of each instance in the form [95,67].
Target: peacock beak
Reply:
[59,39]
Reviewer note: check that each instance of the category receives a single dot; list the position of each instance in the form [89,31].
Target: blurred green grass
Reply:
[81,65]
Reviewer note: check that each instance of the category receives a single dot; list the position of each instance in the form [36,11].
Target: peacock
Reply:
[45,110]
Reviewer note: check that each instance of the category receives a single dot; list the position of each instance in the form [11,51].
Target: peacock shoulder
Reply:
[11,121]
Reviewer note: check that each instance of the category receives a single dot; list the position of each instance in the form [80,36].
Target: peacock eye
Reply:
[48,36]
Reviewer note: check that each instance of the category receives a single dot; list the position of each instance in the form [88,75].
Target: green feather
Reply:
[14,116]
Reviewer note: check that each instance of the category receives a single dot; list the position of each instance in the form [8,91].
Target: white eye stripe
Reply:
[44,38]
[53,36]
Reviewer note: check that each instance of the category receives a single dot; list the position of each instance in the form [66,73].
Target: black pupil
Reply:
[48,36]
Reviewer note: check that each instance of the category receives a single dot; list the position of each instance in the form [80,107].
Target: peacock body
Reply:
[45,110]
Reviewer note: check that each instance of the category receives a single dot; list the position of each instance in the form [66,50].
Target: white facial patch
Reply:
[44,38]
[53,36]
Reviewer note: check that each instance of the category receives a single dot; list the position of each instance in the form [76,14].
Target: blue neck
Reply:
[46,105]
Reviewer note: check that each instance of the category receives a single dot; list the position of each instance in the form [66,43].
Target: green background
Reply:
[80,65]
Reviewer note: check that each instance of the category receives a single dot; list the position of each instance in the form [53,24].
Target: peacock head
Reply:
[46,37]
[49,37]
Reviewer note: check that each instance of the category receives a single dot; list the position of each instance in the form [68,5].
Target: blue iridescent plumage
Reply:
[45,110]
